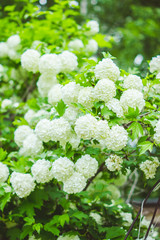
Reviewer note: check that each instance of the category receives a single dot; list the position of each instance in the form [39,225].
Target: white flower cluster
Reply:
[93,28]
[32,117]
[149,167]
[107,69]
[71,114]
[41,171]
[86,97]
[114,163]
[68,61]
[9,48]
[157,133]
[55,94]
[115,106]
[68,237]
[6,103]
[155,64]
[74,176]
[133,82]
[76,45]
[104,90]
[4,172]
[70,93]
[132,98]
[97,217]
[23,184]
[45,82]
[30,60]
[49,64]
[92,46]
[21,133]
[127,218]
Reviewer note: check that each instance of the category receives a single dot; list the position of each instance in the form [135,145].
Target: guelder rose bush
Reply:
[85,127]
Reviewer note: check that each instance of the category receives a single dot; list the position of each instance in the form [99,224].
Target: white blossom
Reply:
[149,167]
[76,183]
[114,163]
[43,129]
[127,218]
[132,98]
[87,166]
[50,63]
[6,103]
[30,60]
[4,172]
[68,61]
[21,133]
[102,130]
[115,106]
[133,82]
[92,46]
[93,27]
[55,94]
[3,49]
[23,184]
[157,133]
[14,41]
[13,55]
[45,83]
[41,171]
[97,217]
[32,116]
[86,97]
[32,145]
[62,168]
[70,93]
[107,69]
[155,64]
[76,45]
[74,140]
[104,90]
[71,114]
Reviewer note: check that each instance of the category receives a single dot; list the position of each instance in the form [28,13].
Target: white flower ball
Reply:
[104,90]
[3,50]
[68,61]
[86,97]
[32,145]
[55,94]
[158,76]
[21,133]
[93,27]
[14,41]
[70,93]
[41,171]
[76,183]
[127,218]
[62,168]
[71,114]
[97,217]
[92,46]
[68,237]
[115,106]
[23,184]
[74,140]
[102,130]
[133,82]
[87,166]
[85,126]
[155,64]
[76,45]
[45,83]
[117,138]
[43,129]
[114,163]
[4,172]
[132,98]
[107,69]
[6,103]
[30,60]
[60,130]
[149,167]
[50,63]
[13,55]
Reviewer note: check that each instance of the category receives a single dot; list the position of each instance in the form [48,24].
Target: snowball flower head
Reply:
[93,27]
[50,63]
[86,97]
[85,126]
[102,129]
[3,50]
[45,83]
[114,163]
[87,166]
[76,45]
[55,94]
[155,64]
[4,172]
[68,61]
[76,183]
[23,184]
[21,133]
[117,138]
[71,114]
[97,217]
[13,41]
[70,93]
[127,218]
[30,60]
[32,145]
[149,167]
[74,140]
[104,90]
[115,106]
[41,171]
[132,98]
[13,55]
[133,82]
[68,237]
[62,169]
[92,46]
[43,129]
[6,103]
[107,69]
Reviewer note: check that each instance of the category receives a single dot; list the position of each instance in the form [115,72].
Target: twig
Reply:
[133,186]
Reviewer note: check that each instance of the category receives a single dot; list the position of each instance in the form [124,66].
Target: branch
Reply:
[133,186]
[100,169]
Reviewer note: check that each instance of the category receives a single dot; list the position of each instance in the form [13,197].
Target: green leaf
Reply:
[80,215]
[37,227]
[132,113]
[3,154]
[91,150]
[32,103]
[61,107]
[63,218]
[3,201]
[114,232]
[145,146]
[25,232]
[54,230]
[136,130]
[108,55]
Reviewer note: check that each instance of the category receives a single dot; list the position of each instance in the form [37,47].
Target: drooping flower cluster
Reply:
[155,64]
[4,172]
[41,171]
[133,82]
[114,163]
[149,167]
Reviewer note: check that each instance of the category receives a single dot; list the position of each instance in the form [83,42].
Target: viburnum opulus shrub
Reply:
[86,126]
